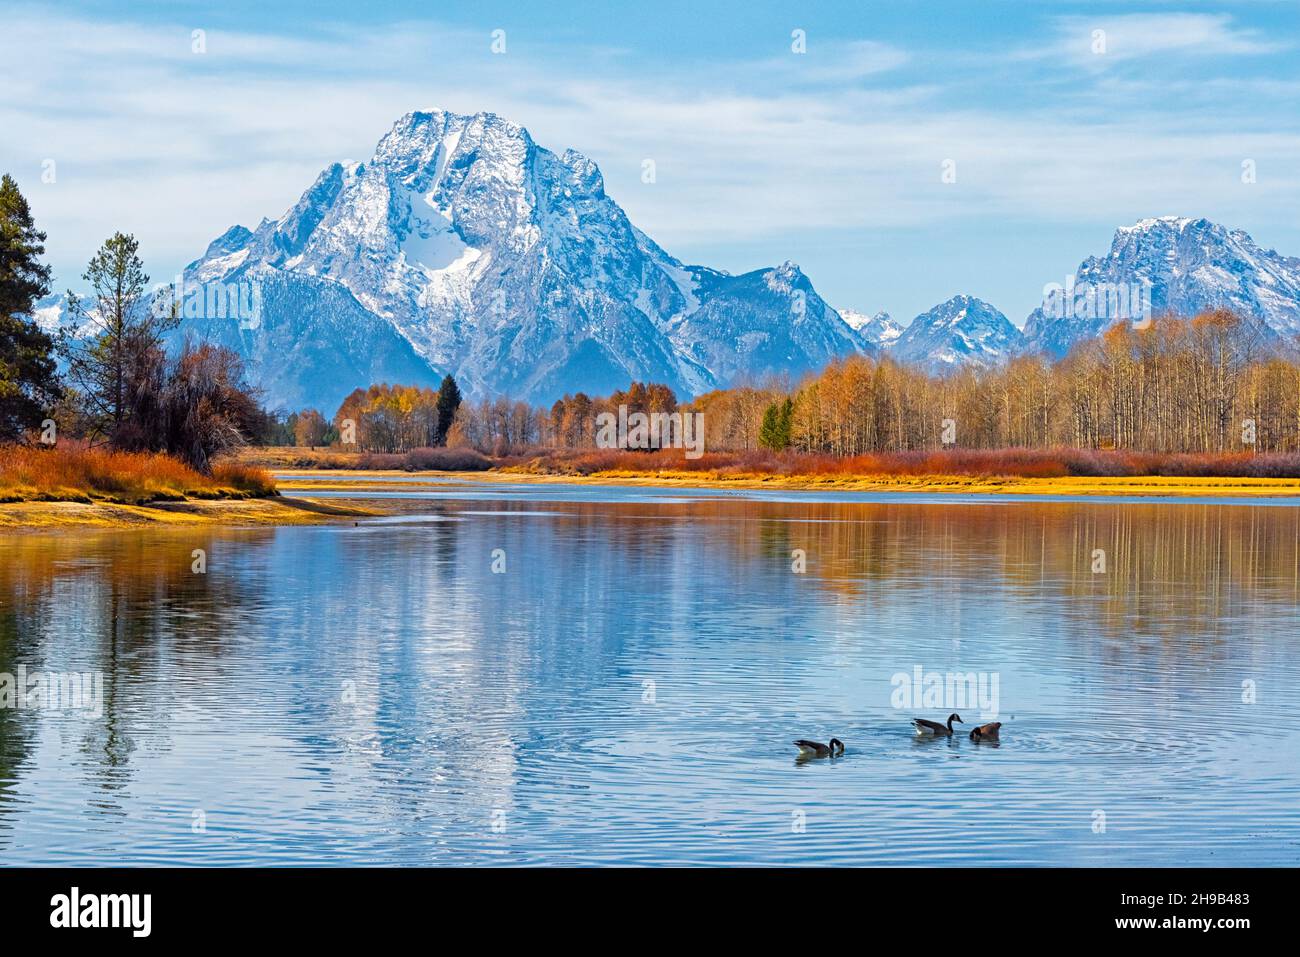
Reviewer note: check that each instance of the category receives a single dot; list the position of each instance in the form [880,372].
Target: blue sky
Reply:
[832,158]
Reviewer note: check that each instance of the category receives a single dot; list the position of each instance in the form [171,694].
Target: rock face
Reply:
[462,246]
[1170,264]
[962,331]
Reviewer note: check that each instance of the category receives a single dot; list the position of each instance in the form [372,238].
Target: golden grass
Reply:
[995,464]
[293,457]
[76,473]
[354,481]
[36,516]
[1217,486]
[988,472]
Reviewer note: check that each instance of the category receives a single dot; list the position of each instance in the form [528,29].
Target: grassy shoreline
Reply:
[75,472]
[36,516]
[1228,487]
[964,484]
[240,508]
[74,485]
[991,470]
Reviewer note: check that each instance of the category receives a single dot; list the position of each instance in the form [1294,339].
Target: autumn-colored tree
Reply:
[390,418]
[310,428]
[1204,384]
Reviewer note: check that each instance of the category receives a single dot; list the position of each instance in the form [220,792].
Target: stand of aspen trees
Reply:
[1213,383]
[1209,384]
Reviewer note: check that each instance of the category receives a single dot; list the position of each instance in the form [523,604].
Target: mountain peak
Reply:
[464,244]
[586,174]
[1170,263]
[1157,222]
[234,238]
[879,331]
[956,309]
[438,122]
[962,330]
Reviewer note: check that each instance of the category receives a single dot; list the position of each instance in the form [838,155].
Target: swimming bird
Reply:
[934,727]
[986,732]
[813,749]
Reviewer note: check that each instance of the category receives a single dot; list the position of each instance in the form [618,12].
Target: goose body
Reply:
[986,732]
[934,728]
[815,749]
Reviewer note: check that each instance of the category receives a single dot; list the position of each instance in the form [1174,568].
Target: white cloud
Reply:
[1134,36]
[177,146]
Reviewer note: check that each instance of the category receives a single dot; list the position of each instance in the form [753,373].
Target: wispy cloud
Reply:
[176,145]
[1110,38]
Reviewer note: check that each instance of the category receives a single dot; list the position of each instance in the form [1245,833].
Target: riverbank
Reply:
[78,485]
[1153,485]
[76,472]
[1062,471]
[20,516]
[296,509]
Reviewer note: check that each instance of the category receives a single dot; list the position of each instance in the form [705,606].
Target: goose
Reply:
[813,749]
[934,727]
[986,732]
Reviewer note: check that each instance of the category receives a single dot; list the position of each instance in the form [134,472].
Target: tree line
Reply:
[395,418]
[1209,383]
[1205,384]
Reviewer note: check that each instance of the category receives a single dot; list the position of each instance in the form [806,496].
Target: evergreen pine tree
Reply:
[769,433]
[29,383]
[785,429]
[114,345]
[448,403]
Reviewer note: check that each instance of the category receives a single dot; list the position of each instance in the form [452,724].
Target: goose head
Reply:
[837,743]
[954,717]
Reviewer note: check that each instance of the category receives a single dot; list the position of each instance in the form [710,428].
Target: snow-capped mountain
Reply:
[962,331]
[462,246]
[879,330]
[1169,264]
[50,311]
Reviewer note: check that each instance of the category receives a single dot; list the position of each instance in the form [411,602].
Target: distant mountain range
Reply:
[1156,265]
[463,247]
[962,331]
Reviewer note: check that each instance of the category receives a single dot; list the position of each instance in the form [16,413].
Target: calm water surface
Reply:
[627,690]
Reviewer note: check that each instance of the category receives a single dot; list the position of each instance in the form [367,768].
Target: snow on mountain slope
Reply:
[879,330]
[462,246]
[961,331]
[1169,264]
[505,264]
[766,322]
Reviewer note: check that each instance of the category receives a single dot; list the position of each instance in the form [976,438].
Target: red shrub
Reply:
[971,463]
